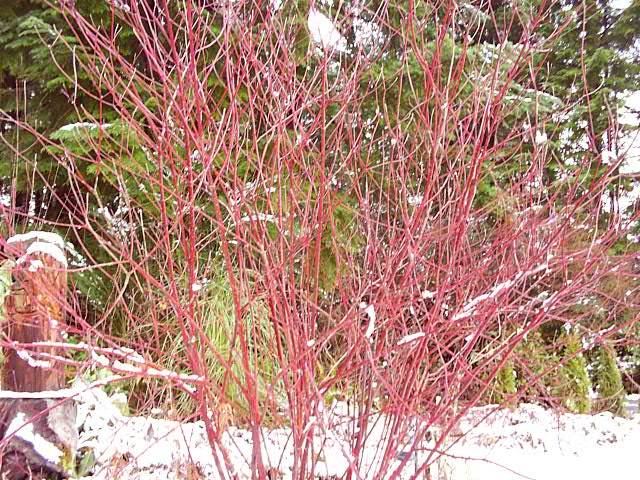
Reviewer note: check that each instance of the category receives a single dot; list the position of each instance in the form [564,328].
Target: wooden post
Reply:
[34,311]
[38,435]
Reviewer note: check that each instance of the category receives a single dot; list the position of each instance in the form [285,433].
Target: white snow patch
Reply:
[34,265]
[324,32]
[24,430]
[87,125]
[532,442]
[371,313]
[46,248]
[541,138]
[415,200]
[620,4]
[410,338]
[489,443]
[259,217]
[48,237]
[26,357]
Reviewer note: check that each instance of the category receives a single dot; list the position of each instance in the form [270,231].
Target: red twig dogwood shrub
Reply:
[274,214]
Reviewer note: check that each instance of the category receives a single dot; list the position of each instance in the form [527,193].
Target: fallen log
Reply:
[38,435]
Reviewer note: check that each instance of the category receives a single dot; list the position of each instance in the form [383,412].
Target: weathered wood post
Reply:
[38,434]
[34,311]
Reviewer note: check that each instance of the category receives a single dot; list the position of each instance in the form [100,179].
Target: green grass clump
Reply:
[217,317]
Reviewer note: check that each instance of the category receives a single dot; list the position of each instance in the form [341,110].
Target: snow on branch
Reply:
[410,338]
[138,366]
[470,307]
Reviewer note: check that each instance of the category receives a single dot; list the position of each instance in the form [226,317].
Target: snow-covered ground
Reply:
[537,443]
[528,442]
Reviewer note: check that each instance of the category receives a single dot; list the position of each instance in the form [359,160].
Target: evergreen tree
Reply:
[608,381]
